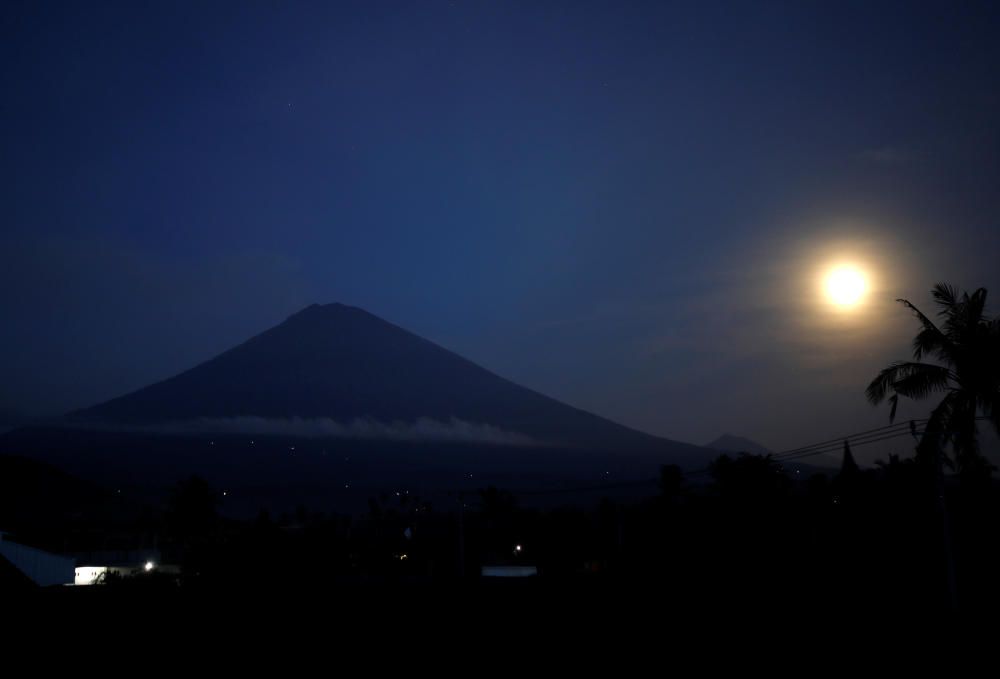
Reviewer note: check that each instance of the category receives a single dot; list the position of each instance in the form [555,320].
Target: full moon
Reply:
[846,286]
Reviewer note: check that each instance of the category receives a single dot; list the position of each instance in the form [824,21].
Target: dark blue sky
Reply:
[622,205]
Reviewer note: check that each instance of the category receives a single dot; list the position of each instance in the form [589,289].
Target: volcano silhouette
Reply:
[344,364]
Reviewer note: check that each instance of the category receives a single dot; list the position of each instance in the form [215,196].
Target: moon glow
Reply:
[846,286]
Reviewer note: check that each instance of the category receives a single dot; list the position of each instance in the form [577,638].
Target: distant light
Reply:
[224,493]
[149,566]
[517,548]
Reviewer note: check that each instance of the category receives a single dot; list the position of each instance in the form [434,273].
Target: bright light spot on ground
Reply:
[89,575]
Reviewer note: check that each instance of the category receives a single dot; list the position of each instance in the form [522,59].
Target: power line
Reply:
[858,439]
[862,438]
[834,447]
[852,443]
[903,427]
[908,427]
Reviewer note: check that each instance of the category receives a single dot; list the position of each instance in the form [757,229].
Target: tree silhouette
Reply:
[191,512]
[671,482]
[848,467]
[754,478]
[967,348]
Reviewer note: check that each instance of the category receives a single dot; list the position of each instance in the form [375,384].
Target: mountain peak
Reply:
[326,310]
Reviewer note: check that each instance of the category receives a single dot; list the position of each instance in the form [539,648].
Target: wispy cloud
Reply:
[422,429]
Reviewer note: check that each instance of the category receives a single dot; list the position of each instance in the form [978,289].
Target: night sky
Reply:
[625,206]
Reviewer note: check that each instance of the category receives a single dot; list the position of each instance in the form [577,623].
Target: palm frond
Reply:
[977,303]
[878,389]
[946,296]
[930,342]
[964,317]
[918,380]
[930,339]
[906,378]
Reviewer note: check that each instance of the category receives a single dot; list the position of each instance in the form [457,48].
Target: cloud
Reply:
[422,429]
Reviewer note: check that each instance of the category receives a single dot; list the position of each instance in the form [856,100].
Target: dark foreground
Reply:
[748,543]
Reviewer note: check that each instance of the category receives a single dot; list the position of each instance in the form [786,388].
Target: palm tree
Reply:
[966,347]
